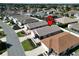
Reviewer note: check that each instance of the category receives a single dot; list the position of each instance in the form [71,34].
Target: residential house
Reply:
[37,25]
[73,12]
[62,43]
[66,20]
[24,19]
[40,14]
[46,31]
[74,26]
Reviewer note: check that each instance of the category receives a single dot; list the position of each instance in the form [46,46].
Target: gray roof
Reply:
[40,13]
[37,24]
[24,19]
[47,30]
[75,26]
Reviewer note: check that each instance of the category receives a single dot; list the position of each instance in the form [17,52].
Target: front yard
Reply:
[21,34]
[28,45]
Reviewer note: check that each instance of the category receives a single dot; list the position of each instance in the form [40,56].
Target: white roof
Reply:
[65,20]
[75,26]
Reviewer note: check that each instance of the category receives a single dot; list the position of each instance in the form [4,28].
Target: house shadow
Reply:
[70,51]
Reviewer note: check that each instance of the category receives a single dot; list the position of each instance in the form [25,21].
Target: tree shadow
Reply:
[4,46]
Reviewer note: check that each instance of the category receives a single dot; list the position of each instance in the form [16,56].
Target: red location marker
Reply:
[50,20]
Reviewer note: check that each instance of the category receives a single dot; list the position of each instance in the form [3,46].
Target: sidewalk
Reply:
[21,39]
[20,30]
[37,51]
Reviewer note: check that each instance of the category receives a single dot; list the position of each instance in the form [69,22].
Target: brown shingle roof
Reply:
[60,42]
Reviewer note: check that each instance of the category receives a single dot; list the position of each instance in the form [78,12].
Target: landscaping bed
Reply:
[21,34]
[28,45]
[61,25]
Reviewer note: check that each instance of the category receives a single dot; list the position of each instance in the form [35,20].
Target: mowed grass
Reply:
[28,45]
[21,34]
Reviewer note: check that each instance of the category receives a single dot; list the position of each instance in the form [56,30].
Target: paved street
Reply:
[16,48]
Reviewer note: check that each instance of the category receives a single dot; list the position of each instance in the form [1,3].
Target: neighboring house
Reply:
[10,12]
[66,20]
[62,43]
[77,16]
[40,14]
[24,19]
[5,19]
[20,20]
[72,12]
[27,14]
[74,26]
[37,25]
[46,31]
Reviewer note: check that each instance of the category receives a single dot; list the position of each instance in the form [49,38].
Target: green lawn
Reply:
[2,34]
[21,34]
[28,45]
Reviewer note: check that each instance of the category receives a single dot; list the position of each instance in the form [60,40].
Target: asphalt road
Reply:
[16,48]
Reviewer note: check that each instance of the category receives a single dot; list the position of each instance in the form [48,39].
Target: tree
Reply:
[0,42]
